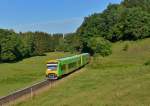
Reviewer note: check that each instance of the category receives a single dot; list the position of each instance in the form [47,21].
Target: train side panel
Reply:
[69,64]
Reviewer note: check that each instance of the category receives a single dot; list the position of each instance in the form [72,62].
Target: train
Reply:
[63,66]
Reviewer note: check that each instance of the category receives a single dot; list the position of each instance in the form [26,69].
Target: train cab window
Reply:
[52,67]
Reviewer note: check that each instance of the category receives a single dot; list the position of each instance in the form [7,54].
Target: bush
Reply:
[126,47]
[147,63]
[100,46]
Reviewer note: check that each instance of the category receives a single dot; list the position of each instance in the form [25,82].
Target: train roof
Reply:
[71,59]
[52,61]
[68,59]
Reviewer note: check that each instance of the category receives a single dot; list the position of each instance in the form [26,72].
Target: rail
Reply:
[30,91]
[26,91]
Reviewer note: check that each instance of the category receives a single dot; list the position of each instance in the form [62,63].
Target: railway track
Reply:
[12,98]
[30,91]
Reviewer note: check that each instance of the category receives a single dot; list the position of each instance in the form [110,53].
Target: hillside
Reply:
[129,20]
[14,76]
[119,79]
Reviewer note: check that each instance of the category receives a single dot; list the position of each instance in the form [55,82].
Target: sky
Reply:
[52,16]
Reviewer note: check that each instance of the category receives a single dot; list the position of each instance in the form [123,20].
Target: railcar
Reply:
[59,67]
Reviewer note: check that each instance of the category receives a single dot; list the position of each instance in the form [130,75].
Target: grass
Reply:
[121,79]
[14,76]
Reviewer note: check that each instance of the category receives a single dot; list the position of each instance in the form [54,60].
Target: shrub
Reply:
[126,47]
[100,46]
[147,63]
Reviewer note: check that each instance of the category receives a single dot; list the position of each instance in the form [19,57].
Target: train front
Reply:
[52,70]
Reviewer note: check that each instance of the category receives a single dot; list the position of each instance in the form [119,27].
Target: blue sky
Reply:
[48,15]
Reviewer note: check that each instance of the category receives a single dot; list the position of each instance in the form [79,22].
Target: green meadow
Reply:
[121,79]
[14,76]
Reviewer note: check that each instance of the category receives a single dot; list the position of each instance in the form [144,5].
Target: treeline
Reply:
[129,20]
[16,46]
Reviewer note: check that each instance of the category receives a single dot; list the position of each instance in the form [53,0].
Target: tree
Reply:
[143,4]
[28,42]
[10,46]
[136,24]
[129,20]
[100,46]
[56,39]
[72,40]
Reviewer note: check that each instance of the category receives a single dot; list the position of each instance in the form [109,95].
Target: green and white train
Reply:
[57,68]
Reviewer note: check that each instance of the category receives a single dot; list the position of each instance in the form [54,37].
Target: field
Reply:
[14,76]
[121,79]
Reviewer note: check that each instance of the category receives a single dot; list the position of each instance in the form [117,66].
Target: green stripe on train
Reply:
[68,64]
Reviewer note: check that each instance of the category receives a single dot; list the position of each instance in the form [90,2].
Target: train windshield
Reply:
[52,66]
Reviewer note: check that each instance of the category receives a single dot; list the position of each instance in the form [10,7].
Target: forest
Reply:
[16,46]
[129,20]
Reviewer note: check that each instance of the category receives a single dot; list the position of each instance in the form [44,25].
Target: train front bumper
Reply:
[52,76]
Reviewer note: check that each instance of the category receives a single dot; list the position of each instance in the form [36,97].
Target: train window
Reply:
[52,67]
[79,62]
[64,67]
[72,65]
